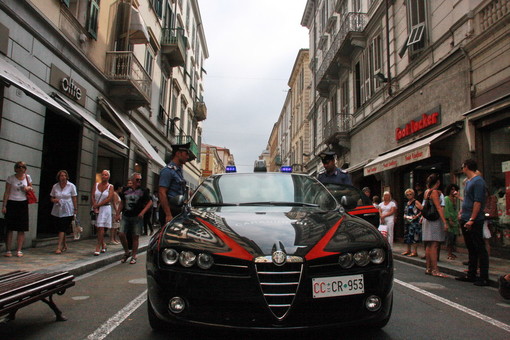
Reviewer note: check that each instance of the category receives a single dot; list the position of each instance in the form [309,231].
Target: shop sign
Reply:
[67,85]
[426,120]
[505,166]
[417,154]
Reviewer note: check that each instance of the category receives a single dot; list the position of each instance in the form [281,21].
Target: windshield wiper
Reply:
[209,204]
[289,204]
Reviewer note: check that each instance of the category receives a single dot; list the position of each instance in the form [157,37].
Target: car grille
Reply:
[279,285]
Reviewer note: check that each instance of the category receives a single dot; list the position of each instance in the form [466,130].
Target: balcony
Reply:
[336,131]
[183,139]
[130,84]
[173,47]
[346,40]
[200,110]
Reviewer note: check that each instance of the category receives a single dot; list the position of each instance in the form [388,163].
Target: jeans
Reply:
[476,249]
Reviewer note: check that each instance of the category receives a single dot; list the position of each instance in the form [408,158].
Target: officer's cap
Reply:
[183,147]
[327,156]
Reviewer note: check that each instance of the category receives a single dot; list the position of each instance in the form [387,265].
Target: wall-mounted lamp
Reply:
[381,77]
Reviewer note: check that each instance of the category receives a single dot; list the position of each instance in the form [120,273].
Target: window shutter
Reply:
[93,18]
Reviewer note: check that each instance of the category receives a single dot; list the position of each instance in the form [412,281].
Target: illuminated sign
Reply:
[424,121]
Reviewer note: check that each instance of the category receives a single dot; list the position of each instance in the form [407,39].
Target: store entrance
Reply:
[61,149]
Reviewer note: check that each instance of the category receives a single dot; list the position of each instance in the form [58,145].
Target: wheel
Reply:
[156,323]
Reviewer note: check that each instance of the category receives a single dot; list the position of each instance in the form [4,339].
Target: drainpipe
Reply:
[388,66]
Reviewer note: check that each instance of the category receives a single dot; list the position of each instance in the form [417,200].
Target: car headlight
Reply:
[205,261]
[187,259]
[346,261]
[377,255]
[361,258]
[170,256]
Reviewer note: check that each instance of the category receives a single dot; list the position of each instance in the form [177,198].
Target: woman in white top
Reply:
[15,206]
[102,195]
[63,195]
[387,210]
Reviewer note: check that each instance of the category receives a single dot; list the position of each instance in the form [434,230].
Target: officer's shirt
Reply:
[171,177]
[337,177]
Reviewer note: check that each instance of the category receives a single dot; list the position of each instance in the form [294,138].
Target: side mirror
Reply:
[348,202]
[177,201]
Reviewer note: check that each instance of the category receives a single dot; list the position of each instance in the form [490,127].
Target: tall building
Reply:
[88,85]
[214,160]
[403,89]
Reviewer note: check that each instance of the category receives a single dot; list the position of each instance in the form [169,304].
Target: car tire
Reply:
[156,323]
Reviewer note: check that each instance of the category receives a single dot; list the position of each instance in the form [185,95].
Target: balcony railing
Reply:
[194,148]
[129,79]
[173,46]
[337,127]
[351,22]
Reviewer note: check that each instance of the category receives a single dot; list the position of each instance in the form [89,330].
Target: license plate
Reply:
[338,286]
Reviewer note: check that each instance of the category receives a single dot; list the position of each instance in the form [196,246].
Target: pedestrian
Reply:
[376,200]
[387,211]
[412,225]
[451,217]
[172,183]
[65,206]
[367,192]
[332,174]
[114,233]
[135,202]
[433,230]
[471,222]
[102,195]
[15,207]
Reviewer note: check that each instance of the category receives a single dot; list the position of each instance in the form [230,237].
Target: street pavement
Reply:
[79,259]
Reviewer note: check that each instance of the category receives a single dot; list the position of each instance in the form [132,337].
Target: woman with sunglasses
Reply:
[15,206]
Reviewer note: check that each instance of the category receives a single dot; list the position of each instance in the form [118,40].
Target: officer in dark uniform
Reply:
[332,174]
[172,182]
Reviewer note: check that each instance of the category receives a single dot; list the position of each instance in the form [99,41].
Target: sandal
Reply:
[8,254]
[58,251]
[96,253]
[125,257]
[451,257]
[438,274]
[19,254]
[428,272]
[64,248]
[133,260]
[406,253]
[413,255]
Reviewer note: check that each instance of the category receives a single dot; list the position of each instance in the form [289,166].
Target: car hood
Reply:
[259,231]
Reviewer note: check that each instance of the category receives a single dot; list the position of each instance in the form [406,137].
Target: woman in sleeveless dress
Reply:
[102,194]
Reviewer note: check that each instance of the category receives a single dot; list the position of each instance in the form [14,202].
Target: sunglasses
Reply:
[20,167]
[138,179]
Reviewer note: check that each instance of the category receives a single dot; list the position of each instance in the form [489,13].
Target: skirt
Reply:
[63,224]
[433,230]
[16,217]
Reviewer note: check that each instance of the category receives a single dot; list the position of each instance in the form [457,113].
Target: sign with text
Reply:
[67,85]
[424,121]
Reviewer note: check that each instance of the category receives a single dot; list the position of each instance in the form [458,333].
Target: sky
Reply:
[252,45]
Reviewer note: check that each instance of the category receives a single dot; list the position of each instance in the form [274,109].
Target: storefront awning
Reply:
[139,139]
[10,75]
[407,154]
[79,111]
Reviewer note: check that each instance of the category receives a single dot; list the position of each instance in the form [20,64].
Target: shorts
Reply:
[131,225]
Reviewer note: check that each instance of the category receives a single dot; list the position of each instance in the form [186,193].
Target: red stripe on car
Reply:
[318,250]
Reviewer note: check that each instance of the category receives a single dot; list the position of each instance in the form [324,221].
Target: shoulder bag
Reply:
[429,210]
[31,198]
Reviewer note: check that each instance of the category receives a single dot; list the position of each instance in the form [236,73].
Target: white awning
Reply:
[139,139]
[12,76]
[138,33]
[78,110]
[407,154]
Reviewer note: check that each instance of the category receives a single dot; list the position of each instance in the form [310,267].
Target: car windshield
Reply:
[339,190]
[263,189]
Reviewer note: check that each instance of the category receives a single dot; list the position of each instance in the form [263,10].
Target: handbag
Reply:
[31,198]
[93,215]
[77,229]
[429,210]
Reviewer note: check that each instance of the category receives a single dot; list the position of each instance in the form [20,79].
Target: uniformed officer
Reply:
[332,174]
[172,182]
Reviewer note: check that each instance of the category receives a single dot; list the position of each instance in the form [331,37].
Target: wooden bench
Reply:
[21,288]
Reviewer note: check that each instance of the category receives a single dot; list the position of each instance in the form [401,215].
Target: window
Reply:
[93,18]
[149,60]
[376,57]
[357,84]
[416,13]
[157,5]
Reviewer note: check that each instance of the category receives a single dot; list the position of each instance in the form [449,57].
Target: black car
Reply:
[268,251]
[363,206]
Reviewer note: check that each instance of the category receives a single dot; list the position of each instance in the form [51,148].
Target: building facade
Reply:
[214,160]
[407,88]
[92,85]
